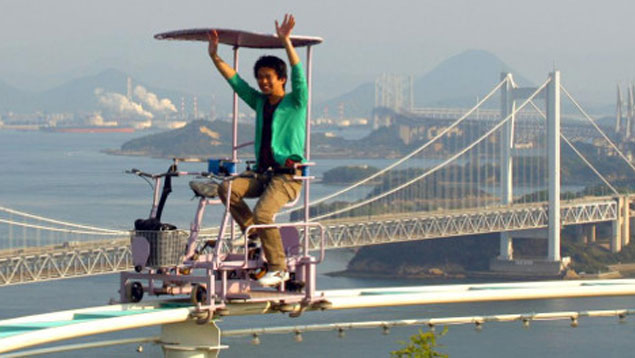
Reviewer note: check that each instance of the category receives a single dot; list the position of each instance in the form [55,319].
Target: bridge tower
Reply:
[618,110]
[508,106]
[553,153]
[509,95]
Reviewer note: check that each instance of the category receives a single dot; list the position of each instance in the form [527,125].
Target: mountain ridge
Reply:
[456,81]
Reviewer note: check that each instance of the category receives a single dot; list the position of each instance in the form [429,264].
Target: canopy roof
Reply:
[238,38]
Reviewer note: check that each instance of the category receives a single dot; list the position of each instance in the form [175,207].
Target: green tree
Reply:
[421,345]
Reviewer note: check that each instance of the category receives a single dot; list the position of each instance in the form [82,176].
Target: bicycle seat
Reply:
[205,189]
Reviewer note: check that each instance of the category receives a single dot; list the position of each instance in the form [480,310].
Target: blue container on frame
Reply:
[213,166]
[221,166]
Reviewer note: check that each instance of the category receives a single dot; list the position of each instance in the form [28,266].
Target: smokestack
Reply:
[195,105]
[212,113]
[618,110]
[629,113]
[129,88]
[183,115]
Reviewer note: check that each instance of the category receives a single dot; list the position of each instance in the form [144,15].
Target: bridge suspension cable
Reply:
[69,231]
[588,117]
[580,155]
[440,165]
[408,156]
[94,229]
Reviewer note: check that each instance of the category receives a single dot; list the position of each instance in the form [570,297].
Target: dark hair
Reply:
[272,62]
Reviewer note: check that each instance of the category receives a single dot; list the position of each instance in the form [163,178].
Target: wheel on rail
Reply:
[134,291]
[138,268]
[294,285]
[199,294]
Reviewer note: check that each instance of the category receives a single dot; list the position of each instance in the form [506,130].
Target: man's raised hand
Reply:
[212,47]
[284,30]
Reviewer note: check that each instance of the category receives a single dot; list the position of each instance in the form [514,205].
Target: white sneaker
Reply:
[274,278]
[253,241]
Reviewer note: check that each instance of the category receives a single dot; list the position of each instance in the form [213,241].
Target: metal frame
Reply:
[227,274]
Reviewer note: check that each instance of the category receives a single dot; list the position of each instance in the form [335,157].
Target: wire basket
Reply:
[167,248]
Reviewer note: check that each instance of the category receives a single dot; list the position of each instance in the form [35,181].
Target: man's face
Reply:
[269,82]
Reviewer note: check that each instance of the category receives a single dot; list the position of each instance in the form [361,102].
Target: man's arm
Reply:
[298,81]
[284,33]
[244,91]
[226,70]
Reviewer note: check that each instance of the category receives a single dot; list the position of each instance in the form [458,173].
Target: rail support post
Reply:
[191,340]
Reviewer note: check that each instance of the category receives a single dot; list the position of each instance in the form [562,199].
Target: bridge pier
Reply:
[585,233]
[621,226]
[506,247]
[528,267]
[581,234]
[591,232]
[626,221]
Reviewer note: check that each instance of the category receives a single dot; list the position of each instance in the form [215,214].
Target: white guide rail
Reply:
[20,333]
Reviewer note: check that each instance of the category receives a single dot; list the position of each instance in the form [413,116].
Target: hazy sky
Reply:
[44,43]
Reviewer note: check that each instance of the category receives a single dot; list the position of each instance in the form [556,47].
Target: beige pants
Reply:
[274,192]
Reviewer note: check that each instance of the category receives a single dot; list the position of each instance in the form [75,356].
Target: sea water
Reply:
[66,177]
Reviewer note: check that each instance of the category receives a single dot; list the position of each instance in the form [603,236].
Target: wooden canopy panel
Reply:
[237,38]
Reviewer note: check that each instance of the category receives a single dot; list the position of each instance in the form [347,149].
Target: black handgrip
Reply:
[138,172]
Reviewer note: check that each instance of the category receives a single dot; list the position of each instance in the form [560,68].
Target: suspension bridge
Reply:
[473,177]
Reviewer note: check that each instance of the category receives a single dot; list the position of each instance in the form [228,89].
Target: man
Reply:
[279,143]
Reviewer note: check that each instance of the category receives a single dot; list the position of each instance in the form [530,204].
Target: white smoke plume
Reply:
[151,99]
[121,104]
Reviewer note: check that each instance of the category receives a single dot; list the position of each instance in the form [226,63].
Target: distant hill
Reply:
[203,138]
[11,98]
[456,81]
[198,138]
[77,94]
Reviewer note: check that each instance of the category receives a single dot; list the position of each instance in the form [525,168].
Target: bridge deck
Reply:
[108,256]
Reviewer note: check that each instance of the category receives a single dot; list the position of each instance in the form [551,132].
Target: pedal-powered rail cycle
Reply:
[224,270]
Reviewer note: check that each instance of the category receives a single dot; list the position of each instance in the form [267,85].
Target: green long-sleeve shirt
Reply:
[288,130]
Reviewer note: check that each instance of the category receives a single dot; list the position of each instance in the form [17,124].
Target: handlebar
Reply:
[140,173]
[209,175]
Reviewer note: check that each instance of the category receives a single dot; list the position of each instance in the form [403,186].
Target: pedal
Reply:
[257,273]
